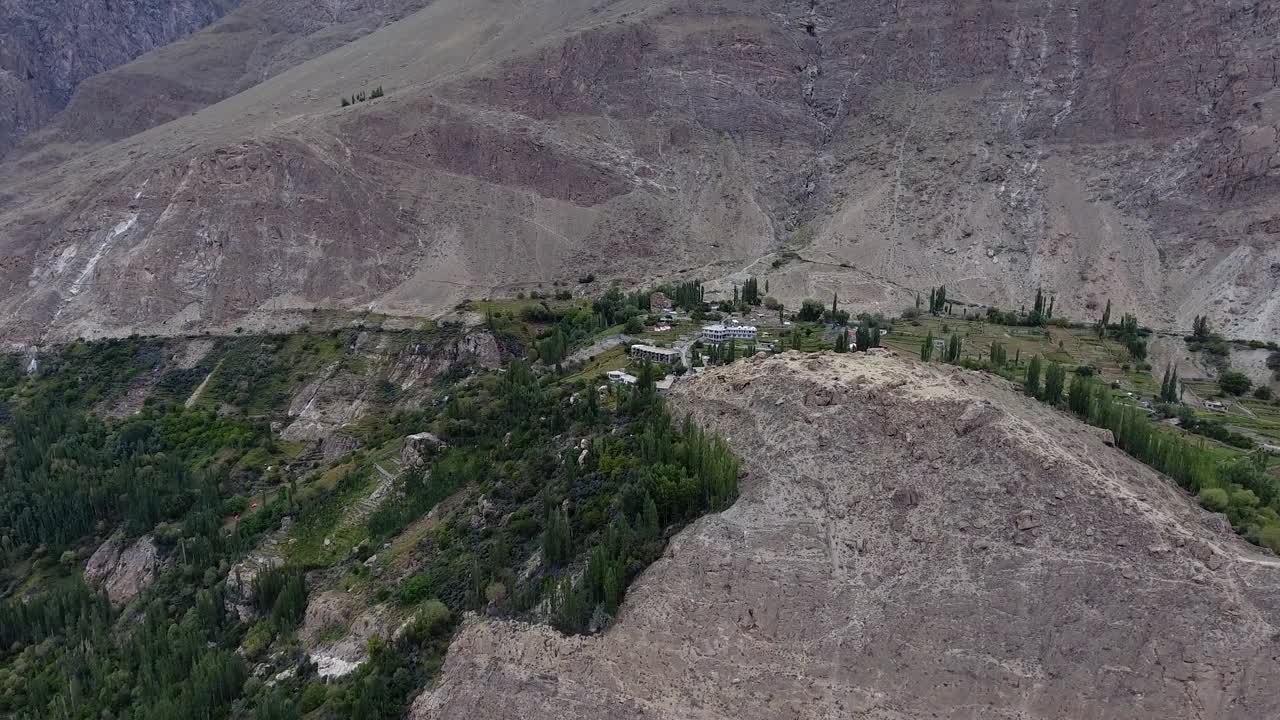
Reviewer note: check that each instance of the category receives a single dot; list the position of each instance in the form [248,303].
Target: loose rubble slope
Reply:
[911,542]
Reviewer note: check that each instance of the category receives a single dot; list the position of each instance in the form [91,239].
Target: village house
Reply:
[666,356]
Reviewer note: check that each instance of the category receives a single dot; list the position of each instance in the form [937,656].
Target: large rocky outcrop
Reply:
[239,592]
[910,542]
[48,48]
[337,628]
[417,449]
[123,569]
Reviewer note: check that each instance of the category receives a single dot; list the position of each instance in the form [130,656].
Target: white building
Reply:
[721,333]
[618,377]
[666,356]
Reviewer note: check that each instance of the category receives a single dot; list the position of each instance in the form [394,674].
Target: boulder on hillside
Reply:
[416,448]
[123,569]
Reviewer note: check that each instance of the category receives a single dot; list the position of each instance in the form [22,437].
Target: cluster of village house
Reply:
[717,333]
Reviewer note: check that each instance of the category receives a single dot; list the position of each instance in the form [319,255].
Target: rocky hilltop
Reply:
[911,542]
[1100,149]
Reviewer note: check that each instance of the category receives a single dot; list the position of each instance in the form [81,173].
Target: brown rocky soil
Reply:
[910,542]
[1101,149]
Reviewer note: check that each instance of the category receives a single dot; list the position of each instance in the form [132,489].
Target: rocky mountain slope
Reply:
[255,41]
[48,48]
[911,542]
[1100,149]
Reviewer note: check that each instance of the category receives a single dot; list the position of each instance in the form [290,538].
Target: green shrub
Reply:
[431,618]
[1243,499]
[1270,538]
[1215,499]
[313,696]
[1234,383]
[258,639]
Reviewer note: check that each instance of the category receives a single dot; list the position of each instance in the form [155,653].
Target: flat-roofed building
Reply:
[666,356]
[721,333]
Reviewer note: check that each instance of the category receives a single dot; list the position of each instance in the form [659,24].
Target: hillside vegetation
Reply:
[540,499]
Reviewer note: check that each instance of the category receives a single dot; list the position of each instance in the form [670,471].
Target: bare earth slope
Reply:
[1102,149]
[911,542]
[257,40]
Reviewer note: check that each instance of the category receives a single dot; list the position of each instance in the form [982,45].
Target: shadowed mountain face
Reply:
[47,48]
[1103,150]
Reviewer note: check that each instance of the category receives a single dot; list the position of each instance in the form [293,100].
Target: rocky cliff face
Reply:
[123,569]
[1102,150]
[48,48]
[909,543]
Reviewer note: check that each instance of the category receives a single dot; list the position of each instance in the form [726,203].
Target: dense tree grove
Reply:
[687,295]
[811,311]
[1242,487]
[1055,377]
[998,355]
[204,482]
[66,471]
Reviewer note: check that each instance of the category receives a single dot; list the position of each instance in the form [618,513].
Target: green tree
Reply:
[998,355]
[955,346]
[926,348]
[557,538]
[811,311]
[1234,383]
[937,300]
[1169,385]
[1037,313]
[842,341]
[1215,499]
[1054,379]
[1032,384]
